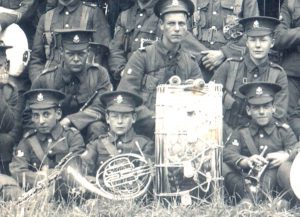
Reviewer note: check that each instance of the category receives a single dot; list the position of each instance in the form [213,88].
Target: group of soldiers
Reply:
[93,85]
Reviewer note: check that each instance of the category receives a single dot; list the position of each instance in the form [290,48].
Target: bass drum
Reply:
[295,176]
[188,142]
[18,55]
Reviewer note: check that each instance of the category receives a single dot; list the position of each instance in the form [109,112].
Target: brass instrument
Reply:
[123,177]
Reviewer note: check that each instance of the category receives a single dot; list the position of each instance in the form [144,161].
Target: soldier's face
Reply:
[75,60]
[45,119]
[261,114]
[259,47]
[120,122]
[174,27]
[4,76]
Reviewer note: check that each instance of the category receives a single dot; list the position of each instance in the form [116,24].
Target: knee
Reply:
[283,175]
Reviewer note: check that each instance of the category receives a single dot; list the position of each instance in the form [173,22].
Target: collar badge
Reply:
[259,91]
[76,39]
[40,97]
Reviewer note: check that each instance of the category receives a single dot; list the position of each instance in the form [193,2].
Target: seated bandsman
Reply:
[43,148]
[244,150]
[121,138]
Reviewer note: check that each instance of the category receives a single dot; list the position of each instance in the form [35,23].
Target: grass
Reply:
[38,206]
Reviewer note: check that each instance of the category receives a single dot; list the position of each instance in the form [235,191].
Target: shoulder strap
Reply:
[36,147]
[291,5]
[273,75]
[84,16]
[249,141]
[233,70]
[111,149]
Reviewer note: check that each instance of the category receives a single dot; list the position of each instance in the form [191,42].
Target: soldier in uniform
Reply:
[243,150]
[287,41]
[9,113]
[135,28]
[156,64]
[68,14]
[254,66]
[121,138]
[215,25]
[41,149]
[82,84]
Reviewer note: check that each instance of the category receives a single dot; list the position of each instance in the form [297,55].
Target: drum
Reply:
[188,141]
[19,54]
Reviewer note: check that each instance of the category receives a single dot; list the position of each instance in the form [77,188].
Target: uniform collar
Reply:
[268,129]
[163,50]
[68,78]
[251,66]
[70,8]
[124,138]
[54,134]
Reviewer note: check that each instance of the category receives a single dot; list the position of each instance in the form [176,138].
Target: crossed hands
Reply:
[212,58]
[274,159]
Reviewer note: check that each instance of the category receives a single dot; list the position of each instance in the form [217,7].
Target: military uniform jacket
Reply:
[37,150]
[288,37]
[109,145]
[154,65]
[276,136]
[8,119]
[246,72]
[22,9]
[69,17]
[82,90]
[212,17]
[132,26]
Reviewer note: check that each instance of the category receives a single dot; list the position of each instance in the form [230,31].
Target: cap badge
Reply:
[40,97]
[119,99]
[76,39]
[259,91]
[256,24]
[175,3]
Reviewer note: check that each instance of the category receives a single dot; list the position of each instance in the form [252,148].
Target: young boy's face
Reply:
[261,114]
[259,46]
[45,119]
[120,122]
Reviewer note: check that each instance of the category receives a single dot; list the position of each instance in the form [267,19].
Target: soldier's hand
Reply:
[250,162]
[4,76]
[212,58]
[277,158]
[66,123]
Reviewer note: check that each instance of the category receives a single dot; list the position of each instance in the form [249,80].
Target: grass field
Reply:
[38,206]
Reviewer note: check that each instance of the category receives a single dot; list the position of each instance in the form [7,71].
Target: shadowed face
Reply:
[120,122]
[75,60]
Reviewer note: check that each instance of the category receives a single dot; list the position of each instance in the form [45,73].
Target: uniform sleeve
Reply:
[134,72]
[282,97]
[8,104]
[250,8]
[94,111]
[89,158]
[19,166]
[38,56]
[75,142]
[290,143]
[195,70]
[117,58]
[232,151]
[148,149]
[102,34]
[285,36]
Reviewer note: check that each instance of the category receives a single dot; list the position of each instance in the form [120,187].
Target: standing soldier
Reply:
[254,66]
[135,28]
[156,64]
[287,39]
[41,149]
[244,153]
[68,14]
[215,25]
[82,83]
